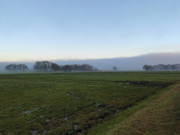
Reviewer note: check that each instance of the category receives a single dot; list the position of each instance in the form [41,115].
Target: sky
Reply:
[87,29]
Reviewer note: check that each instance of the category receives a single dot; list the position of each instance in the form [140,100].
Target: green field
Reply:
[75,103]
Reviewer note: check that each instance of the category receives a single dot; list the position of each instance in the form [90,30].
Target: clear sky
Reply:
[81,29]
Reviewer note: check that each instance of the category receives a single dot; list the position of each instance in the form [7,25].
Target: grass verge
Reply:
[158,114]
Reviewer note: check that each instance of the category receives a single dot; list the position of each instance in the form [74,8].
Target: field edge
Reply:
[111,125]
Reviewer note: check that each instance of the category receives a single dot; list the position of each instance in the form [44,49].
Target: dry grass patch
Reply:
[160,117]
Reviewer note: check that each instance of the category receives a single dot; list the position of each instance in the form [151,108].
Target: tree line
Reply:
[16,67]
[47,66]
[162,67]
[50,66]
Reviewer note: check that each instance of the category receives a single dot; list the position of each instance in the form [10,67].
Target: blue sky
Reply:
[85,29]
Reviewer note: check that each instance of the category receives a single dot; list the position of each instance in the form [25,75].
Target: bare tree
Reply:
[15,67]
[115,68]
[46,66]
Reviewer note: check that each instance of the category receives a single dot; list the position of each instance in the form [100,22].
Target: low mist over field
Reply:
[130,63]
[123,64]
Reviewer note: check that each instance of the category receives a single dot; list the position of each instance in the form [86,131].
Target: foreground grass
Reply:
[157,115]
[74,103]
[160,117]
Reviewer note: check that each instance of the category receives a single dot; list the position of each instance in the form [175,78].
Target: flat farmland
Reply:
[72,103]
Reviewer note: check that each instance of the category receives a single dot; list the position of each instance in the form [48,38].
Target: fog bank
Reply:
[124,64]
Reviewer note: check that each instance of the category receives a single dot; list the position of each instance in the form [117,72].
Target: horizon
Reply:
[77,29]
[123,63]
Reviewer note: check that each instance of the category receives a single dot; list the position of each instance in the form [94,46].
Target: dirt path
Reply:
[160,117]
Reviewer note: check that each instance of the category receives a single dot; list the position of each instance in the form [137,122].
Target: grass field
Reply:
[77,103]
